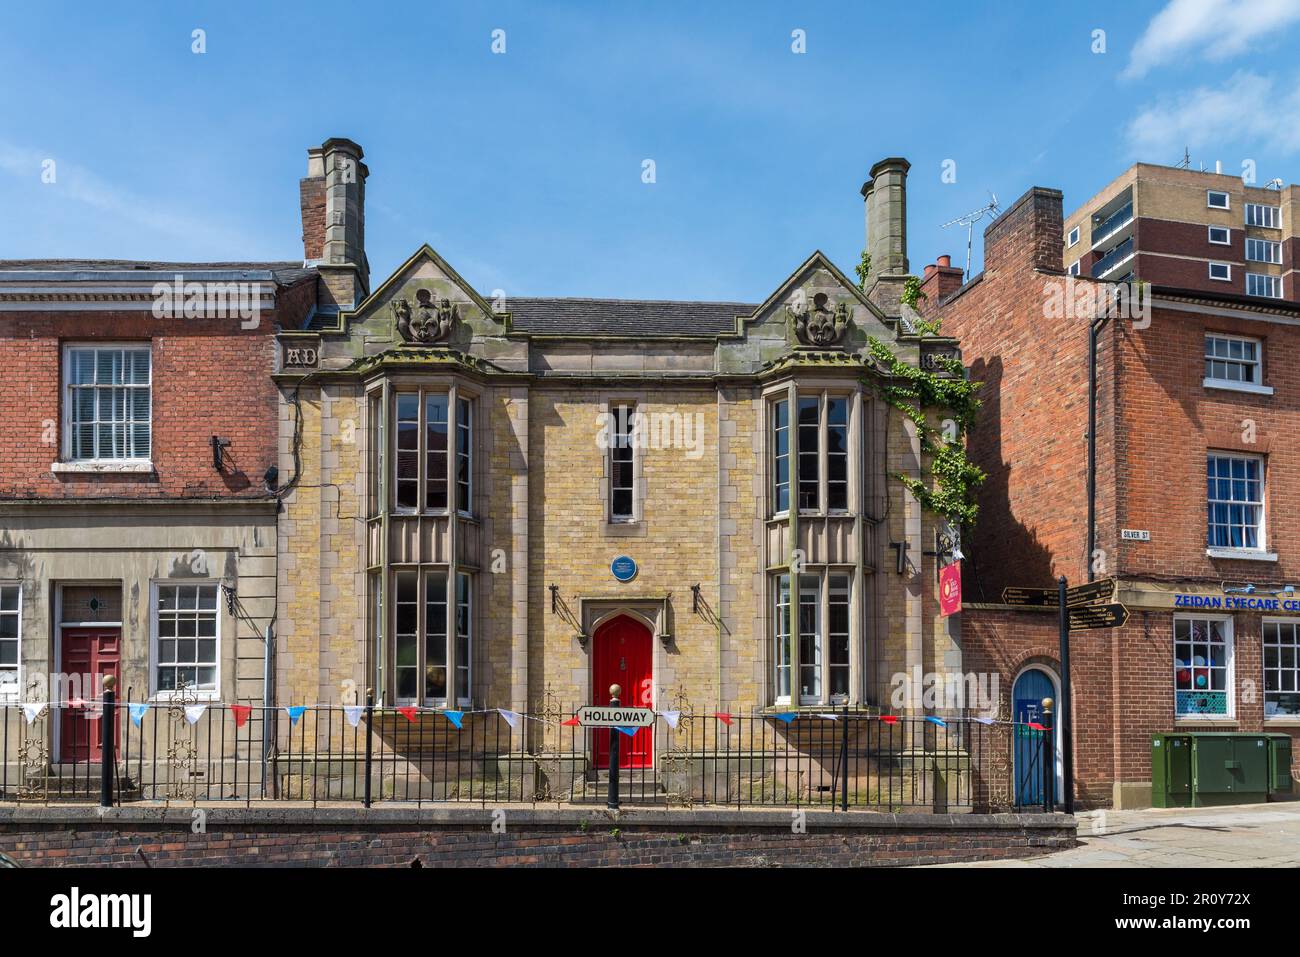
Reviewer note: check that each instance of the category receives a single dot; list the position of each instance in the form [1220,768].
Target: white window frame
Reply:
[615,431]
[1274,217]
[1273,282]
[818,580]
[1211,193]
[1227,234]
[852,430]
[1235,385]
[1272,247]
[1074,267]
[157,693]
[1294,625]
[142,462]
[1073,239]
[1227,266]
[13,691]
[453,397]
[1260,549]
[1229,668]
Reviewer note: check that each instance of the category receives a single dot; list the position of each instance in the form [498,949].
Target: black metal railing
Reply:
[840,758]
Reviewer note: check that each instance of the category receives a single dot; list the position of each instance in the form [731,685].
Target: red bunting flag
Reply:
[1036,726]
[241,713]
[889,718]
[723,717]
[571,723]
[409,713]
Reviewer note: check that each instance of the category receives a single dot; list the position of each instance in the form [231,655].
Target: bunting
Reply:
[889,718]
[723,717]
[455,717]
[240,713]
[787,716]
[353,714]
[295,712]
[138,711]
[408,713]
[32,711]
[511,717]
[939,721]
[672,717]
[628,731]
[194,711]
[571,723]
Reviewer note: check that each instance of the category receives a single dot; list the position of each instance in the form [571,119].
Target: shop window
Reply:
[1202,667]
[1281,669]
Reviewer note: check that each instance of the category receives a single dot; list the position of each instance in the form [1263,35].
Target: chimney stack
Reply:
[333,198]
[885,197]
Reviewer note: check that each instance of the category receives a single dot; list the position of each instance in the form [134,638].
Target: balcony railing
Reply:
[1113,259]
[1113,224]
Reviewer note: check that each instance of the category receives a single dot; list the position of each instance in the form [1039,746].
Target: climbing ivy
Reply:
[863,269]
[950,492]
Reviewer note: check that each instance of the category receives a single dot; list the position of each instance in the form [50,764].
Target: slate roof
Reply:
[624,317]
[73,270]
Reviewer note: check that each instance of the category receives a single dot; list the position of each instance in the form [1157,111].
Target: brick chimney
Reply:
[1028,235]
[885,198]
[940,280]
[333,202]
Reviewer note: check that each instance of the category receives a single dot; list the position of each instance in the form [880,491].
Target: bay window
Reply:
[424,456]
[811,636]
[421,622]
[818,442]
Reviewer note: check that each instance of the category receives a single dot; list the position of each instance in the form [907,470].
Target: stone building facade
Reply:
[496,503]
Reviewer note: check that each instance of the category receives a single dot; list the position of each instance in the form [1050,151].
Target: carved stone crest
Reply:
[819,324]
[428,320]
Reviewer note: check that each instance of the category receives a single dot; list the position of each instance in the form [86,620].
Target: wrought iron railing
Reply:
[836,758]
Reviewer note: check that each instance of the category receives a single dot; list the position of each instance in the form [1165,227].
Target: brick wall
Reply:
[567,838]
[210,377]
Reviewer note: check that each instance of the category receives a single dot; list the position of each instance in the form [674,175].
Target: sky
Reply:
[526,169]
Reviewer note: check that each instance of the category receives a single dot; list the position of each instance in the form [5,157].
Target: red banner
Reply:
[950,589]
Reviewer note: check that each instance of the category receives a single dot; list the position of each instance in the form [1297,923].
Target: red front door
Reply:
[89,654]
[623,656]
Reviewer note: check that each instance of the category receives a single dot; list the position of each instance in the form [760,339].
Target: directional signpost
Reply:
[1080,608]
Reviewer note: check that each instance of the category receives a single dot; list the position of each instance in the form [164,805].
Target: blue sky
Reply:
[524,169]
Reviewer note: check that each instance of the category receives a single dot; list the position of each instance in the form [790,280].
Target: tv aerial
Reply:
[991,209]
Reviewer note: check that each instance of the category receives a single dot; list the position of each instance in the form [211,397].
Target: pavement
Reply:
[1245,835]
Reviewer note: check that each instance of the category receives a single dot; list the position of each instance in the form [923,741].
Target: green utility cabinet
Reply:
[1209,768]
[1171,770]
[1279,764]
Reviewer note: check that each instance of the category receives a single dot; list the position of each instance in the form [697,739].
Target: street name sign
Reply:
[609,716]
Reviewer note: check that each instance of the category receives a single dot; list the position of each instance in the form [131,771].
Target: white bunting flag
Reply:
[672,717]
[353,713]
[32,711]
[829,717]
[194,711]
[512,717]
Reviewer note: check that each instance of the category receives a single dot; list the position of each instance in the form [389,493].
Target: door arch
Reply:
[1032,685]
[623,654]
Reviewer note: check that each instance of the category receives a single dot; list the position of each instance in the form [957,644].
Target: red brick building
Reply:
[1198,402]
[137,514]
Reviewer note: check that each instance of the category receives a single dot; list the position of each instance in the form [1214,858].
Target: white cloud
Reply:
[1248,110]
[78,184]
[1216,29]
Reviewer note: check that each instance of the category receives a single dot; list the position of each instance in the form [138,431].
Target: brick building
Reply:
[130,544]
[1191,230]
[493,501]
[1195,487]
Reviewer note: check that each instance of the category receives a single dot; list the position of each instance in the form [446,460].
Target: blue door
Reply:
[1027,706]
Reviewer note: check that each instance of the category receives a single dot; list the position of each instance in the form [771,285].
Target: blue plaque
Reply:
[623,568]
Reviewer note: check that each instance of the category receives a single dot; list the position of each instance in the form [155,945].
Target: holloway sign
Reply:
[609,716]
